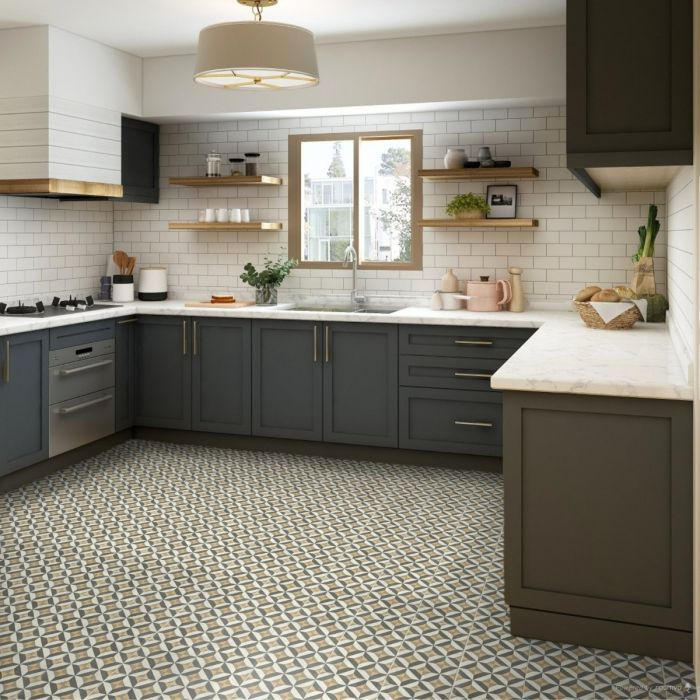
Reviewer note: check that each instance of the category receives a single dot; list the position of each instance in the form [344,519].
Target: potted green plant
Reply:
[468,206]
[267,280]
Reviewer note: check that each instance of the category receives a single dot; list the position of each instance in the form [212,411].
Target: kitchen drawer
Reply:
[80,421]
[444,420]
[80,378]
[462,341]
[80,334]
[447,372]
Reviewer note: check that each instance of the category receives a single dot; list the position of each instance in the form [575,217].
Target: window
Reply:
[356,188]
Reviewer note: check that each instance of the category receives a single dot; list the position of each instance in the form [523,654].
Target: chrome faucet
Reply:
[350,258]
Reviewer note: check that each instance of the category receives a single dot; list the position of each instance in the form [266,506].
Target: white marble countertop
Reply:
[563,356]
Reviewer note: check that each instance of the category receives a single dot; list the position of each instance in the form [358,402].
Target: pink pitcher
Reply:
[488,296]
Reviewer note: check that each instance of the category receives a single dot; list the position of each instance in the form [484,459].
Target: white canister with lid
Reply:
[153,283]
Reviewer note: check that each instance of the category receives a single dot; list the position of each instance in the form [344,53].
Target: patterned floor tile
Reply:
[163,571]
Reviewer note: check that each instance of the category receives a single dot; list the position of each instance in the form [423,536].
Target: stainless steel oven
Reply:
[81,395]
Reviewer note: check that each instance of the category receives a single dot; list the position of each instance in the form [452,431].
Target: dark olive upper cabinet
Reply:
[221,375]
[629,83]
[360,384]
[163,372]
[24,400]
[125,349]
[288,379]
[140,167]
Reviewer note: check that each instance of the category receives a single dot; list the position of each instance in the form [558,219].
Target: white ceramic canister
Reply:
[234,216]
[455,158]
[153,283]
[222,216]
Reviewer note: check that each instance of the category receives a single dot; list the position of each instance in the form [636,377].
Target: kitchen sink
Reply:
[346,309]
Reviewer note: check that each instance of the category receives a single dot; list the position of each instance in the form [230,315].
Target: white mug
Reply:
[209,215]
[245,215]
[201,216]
[222,216]
[235,215]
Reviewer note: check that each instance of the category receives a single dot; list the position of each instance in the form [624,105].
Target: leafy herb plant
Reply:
[272,275]
[467,202]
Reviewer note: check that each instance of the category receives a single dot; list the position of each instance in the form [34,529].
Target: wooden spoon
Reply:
[121,261]
[130,266]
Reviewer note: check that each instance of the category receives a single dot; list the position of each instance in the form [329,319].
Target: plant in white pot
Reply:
[468,206]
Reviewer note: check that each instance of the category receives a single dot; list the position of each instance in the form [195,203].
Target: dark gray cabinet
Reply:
[629,83]
[287,373]
[24,400]
[125,381]
[221,383]
[446,403]
[360,384]
[140,161]
[162,370]
[598,521]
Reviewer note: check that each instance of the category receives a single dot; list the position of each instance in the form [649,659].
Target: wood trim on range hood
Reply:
[52,187]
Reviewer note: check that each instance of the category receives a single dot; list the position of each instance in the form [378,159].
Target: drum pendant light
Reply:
[256,55]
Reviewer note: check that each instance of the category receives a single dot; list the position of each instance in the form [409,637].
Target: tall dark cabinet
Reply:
[24,400]
[140,156]
[125,352]
[163,372]
[360,384]
[221,375]
[288,379]
[629,83]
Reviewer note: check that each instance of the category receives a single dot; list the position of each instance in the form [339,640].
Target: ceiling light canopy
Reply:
[256,55]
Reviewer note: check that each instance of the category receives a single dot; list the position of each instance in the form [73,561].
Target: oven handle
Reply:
[84,368]
[81,406]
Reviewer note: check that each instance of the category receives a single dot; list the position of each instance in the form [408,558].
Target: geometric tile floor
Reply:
[164,571]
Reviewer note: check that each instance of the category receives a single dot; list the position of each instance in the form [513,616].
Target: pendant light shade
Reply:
[256,56]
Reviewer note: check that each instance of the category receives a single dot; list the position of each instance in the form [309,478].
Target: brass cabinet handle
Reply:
[6,370]
[459,341]
[128,320]
[195,341]
[315,343]
[328,343]
[474,424]
[472,375]
[184,337]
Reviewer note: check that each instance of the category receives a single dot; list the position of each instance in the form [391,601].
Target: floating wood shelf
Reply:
[229,226]
[458,174]
[479,223]
[228,181]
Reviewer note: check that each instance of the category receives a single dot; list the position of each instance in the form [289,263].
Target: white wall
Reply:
[85,71]
[682,245]
[24,55]
[581,240]
[523,64]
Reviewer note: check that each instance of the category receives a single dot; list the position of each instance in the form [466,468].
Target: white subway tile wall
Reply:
[681,258]
[580,240]
[49,247]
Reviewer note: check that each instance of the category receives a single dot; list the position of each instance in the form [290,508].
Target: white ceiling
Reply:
[167,27]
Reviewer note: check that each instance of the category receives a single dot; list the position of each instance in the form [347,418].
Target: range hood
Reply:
[59,189]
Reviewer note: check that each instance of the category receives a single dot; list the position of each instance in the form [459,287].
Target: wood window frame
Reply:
[295,181]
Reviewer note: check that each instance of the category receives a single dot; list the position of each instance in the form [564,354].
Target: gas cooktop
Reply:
[58,307]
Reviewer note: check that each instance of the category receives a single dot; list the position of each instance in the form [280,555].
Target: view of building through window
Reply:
[329,170]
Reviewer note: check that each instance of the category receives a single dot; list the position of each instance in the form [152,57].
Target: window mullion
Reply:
[356,197]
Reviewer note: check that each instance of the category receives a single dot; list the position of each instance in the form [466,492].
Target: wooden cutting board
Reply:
[212,305]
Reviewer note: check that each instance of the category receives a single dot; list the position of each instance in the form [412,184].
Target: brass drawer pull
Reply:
[473,342]
[328,344]
[195,341]
[184,338]
[315,343]
[472,375]
[128,320]
[474,424]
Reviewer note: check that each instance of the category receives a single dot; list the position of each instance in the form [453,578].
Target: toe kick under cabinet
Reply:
[446,403]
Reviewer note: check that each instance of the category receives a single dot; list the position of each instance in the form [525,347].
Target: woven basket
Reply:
[591,318]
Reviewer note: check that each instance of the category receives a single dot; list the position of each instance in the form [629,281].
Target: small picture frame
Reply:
[502,200]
